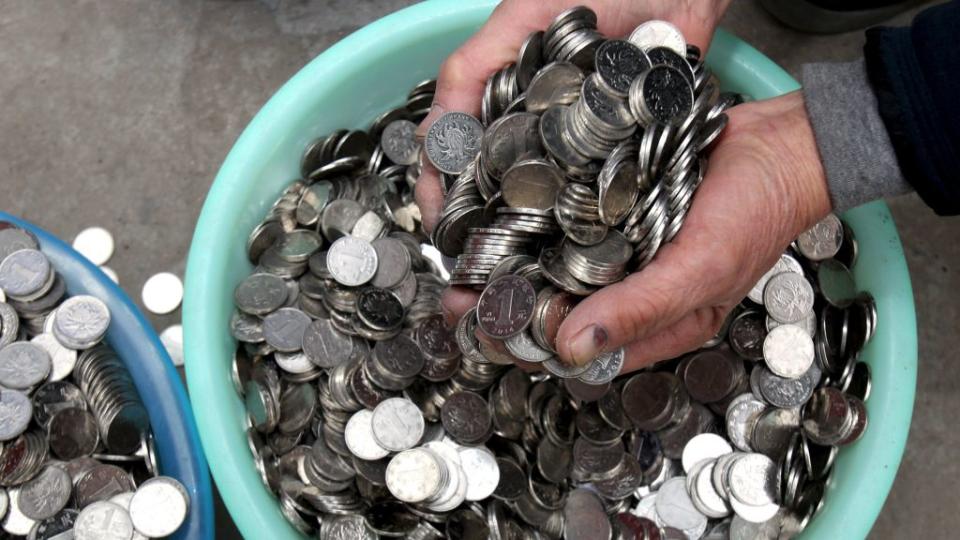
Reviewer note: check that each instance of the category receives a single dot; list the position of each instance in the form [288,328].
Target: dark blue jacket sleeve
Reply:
[915,74]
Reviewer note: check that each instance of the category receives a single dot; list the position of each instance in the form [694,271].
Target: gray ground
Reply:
[118,114]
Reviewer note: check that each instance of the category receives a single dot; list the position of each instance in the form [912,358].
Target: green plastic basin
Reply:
[371,70]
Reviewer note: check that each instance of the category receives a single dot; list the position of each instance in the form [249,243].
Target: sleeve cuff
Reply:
[858,158]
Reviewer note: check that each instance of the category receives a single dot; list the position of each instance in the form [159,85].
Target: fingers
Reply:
[685,335]
[682,278]
[429,196]
[457,301]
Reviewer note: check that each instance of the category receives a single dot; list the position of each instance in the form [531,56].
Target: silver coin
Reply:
[836,283]
[63,359]
[483,474]
[393,263]
[523,346]
[24,273]
[415,475]
[397,424]
[14,239]
[353,527]
[674,507]
[81,322]
[453,141]
[657,33]
[46,494]
[399,142]
[162,293]
[788,297]
[741,419]
[564,370]
[753,480]
[260,294]
[532,183]
[705,446]
[159,507]
[557,83]
[823,240]
[23,365]
[16,410]
[605,367]
[352,261]
[788,351]
[785,263]
[103,520]
[359,437]
[15,522]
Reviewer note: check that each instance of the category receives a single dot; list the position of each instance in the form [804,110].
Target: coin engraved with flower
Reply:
[453,142]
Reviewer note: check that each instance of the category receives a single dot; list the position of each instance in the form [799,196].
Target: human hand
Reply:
[764,186]
[464,74]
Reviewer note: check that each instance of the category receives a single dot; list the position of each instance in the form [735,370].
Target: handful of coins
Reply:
[63,392]
[584,162]
[369,417]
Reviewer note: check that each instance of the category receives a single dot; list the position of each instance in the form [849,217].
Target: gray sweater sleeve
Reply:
[854,146]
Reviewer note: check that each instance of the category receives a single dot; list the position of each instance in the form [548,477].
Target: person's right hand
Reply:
[464,74]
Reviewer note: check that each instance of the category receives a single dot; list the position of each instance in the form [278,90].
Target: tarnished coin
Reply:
[393,263]
[352,261]
[658,33]
[72,433]
[661,95]
[284,329]
[788,351]
[56,526]
[399,142]
[585,517]
[746,335]
[159,506]
[453,141]
[397,424]
[325,346]
[836,283]
[788,297]
[103,520]
[379,309]
[619,62]
[529,59]
[511,139]
[436,339]
[506,307]
[260,294]
[823,240]
[466,417]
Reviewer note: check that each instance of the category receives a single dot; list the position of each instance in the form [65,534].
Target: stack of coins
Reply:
[76,436]
[369,415]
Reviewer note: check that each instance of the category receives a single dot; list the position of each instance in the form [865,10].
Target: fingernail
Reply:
[587,344]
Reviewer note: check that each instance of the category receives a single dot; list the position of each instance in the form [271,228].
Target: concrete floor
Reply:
[118,114]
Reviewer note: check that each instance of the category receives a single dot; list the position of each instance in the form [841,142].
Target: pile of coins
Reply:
[76,438]
[369,417]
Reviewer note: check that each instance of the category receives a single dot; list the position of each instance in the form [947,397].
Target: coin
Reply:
[414,475]
[46,494]
[23,365]
[532,183]
[398,142]
[24,274]
[823,240]
[659,34]
[788,351]
[352,261]
[94,243]
[162,293]
[284,329]
[159,506]
[506,307]
[452,141]
[466,418]
[103,520]
[397,424]
[788,297]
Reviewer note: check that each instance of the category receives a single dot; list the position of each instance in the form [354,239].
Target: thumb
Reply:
[681,279]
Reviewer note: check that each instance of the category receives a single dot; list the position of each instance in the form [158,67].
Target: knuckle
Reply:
[455,69]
